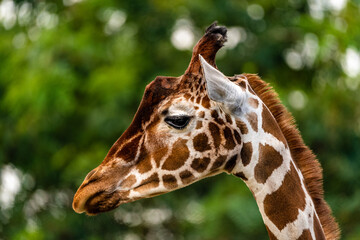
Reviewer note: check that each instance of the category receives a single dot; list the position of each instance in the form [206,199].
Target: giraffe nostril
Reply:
[90,174]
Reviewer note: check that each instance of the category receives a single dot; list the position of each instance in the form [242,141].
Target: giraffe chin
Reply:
[105,201]
[96,195]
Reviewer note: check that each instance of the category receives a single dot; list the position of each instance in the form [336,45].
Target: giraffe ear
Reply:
[221,89]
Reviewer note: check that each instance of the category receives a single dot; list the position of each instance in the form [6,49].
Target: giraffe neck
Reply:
[267,168]
[284,203]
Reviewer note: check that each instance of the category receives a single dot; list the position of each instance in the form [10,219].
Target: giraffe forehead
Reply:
[185,102]
[155,94]
[181,106]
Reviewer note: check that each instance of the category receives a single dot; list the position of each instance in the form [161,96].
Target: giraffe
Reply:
[202,124]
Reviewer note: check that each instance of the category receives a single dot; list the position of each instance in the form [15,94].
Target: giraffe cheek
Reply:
[128,182]
[154,140]
[229,140]
[144,166]
[148,183]
[143,161]
[128,151]
[179,154]
[215,134]
[155,134]
[201,142]
[152,154]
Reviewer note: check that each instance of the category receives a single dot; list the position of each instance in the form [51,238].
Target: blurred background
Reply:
[73,72]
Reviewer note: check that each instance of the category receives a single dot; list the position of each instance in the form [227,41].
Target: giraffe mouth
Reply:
[100,201]
[100,192]
[103,201]
[96,195]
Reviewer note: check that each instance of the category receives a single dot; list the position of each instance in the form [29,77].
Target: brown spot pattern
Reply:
[159,154]
[129,150]
[241,175]
[283,205]
[229,140]
[200,164]
[218,162]
[215,116]
[178,155]
[246,153]
[242,126]
[144,166]
[150,182]
[205,102]
[269,160]
[230,164]
[252,118]
[129,181]
[144,161]
[186,177]
[198,99]
[228,119]
[215,134]
[202,114]
[198,124]
[237,137]
[201,142]
[169,181]
[270,125]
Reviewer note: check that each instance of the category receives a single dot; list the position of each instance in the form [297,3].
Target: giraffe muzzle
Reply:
[96,198]
[100,192]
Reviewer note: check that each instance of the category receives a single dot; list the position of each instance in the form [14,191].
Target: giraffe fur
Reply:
[202,124]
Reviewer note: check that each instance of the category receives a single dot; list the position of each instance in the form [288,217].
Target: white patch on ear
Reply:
[221,89]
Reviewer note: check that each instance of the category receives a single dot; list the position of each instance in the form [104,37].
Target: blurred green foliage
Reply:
[72,74]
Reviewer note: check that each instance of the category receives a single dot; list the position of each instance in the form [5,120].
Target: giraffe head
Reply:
[184,130]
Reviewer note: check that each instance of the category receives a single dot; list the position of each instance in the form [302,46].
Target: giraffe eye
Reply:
[178,122]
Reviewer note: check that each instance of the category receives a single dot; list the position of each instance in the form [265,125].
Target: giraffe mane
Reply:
[304,158]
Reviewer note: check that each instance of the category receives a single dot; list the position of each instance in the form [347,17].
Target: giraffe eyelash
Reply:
[178,122]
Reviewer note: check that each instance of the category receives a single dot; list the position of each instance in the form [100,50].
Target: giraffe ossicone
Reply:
[202,124]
